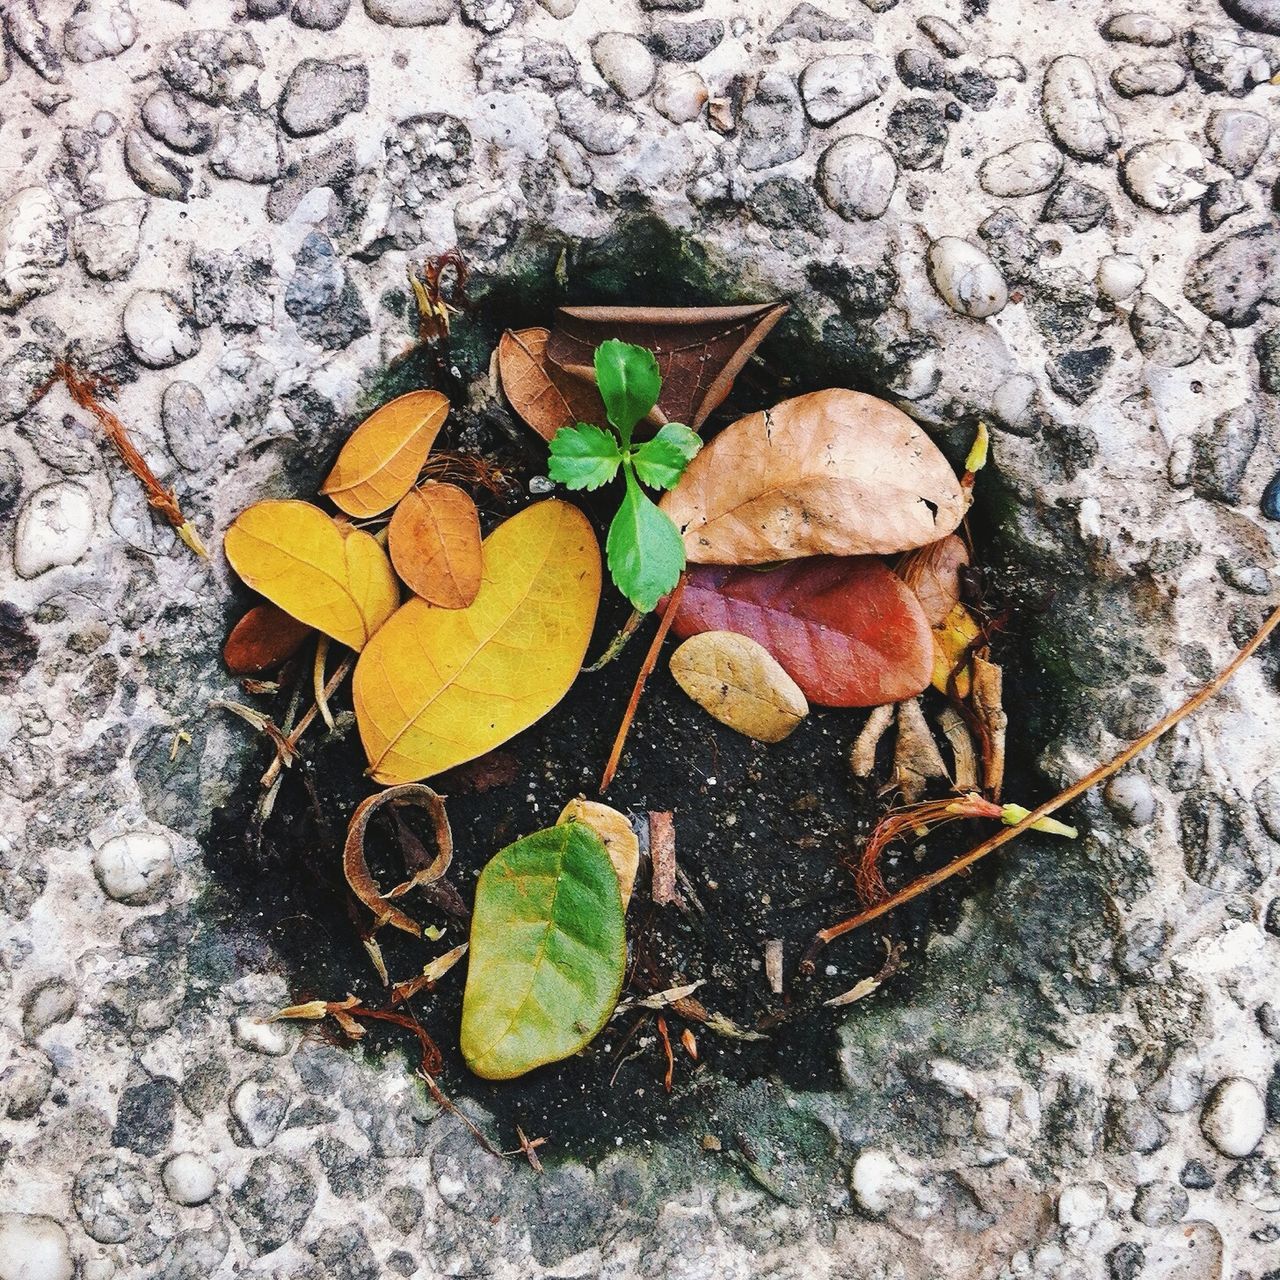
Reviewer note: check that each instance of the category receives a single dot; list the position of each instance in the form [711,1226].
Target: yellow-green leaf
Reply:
[381,460]
[331,576]
[953,642]
[548,950]
[438,687]
[619,838]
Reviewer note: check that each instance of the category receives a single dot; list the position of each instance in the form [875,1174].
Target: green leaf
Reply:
[583,457]
[660,462]
[548,950]
[628,380]
[644,549]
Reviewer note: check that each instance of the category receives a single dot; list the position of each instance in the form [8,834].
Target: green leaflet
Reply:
[628,380]
[644,549]
[548,949]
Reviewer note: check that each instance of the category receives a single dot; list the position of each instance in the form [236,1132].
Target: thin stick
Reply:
[339,675]
[1091,779]
[650,661]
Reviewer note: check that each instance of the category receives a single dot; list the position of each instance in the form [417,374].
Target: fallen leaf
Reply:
[381,460]
[264,639]
[829,473]
[868,986]
[543,395]
[700,350]
[327,575]
[548,950]
[438,687]
[846,629]
[933,573]
[953,643]
[988,702]
[740,683]
[916,758]
[615,832]
[434,543]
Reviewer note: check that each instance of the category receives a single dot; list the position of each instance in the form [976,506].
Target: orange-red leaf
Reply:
[546,397]
[264,639]
[434,541]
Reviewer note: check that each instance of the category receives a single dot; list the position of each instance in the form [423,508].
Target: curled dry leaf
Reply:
[953,644]
[740,683]
[862,756]
[438,687]
[434,543]
[700,350]
[830,473]
[548,949]
[988,702]
[545,396]
[845,629]
[933,573]
[916,758]
[264,639]
[615,832]
[381,460]
[327,575]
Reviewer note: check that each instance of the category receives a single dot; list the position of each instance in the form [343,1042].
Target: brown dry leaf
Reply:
[662,856]
[829,473]
[264,639]
[434,542]
[700,350]
[988,701]
[916,758]
[546,397]
[382,458]
[953,644]
[933,573]
[616,834]
[740,683]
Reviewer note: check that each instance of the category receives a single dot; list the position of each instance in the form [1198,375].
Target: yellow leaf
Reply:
[381,460]
[952,643]
[737,680]
[329,575]
[438,687]
[616,834]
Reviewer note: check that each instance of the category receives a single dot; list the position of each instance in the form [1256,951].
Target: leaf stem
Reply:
[924,883]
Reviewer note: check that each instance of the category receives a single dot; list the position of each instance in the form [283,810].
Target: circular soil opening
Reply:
[760,831]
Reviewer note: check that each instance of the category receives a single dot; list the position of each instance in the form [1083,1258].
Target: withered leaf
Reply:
[700,350]
[545,396]
[264,639]
[434,543]
[953,642]
[933,573]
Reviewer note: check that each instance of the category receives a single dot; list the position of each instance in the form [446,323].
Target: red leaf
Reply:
[846,629]
[264,639]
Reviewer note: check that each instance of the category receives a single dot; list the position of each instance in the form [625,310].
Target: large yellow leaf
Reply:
[380,462]
[331,576]
[437,687]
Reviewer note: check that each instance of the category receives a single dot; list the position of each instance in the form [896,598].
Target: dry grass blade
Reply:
[340,673]
[892,963]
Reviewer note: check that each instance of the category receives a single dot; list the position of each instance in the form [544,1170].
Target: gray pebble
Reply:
[113,1198]
[321,299]
[1223,62]
[832,88]
[625,64]
[686,41]
[272,1203]
[32,39]
[856,177]
[33,243]
[247,146]
[1158,78]
[47,1004]
[1222,455]
[1138,28]
[1080,205]
[216,67]
[1223,200]
[157,174]
[1232,279]
[1160,1204]
[169,118]
[318,94]
[410,13]
[24,1085]
[1238,139]
[1160,335]
[1257,15]
[258,1106]
[807,22]
[773,129]
[319,15]
[967,279]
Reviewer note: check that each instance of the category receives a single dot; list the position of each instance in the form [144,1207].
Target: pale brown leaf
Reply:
[546,397]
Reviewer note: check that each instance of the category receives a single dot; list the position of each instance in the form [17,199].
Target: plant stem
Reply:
[339,675]
[1090,780]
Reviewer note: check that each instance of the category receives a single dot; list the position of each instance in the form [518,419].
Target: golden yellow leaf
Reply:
[737,680]
[438,687]
[952,643]
[617,835]
[381,460]
[331,576]
[434,541]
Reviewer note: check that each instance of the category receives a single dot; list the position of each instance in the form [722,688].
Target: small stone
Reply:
[134,868]
[1195,1176]
[680,95]
[686,41]
[1125,1261]
[1234,1117]
[559,8]
[1269,1020]
[856,176]
[785,204]
[33,241]
[1158,78]
[157,174]
[1160,335]
[1160,1204]
[1134,1126]
[145,1117]
[773,124]
[160,330]
[106,238]
[1078,204]
[321,15]
[806,22]
[1232,279]
[189,1178]
[917,133]
[1138,28]
[1257,15]
[169,118]
[54,528]
[318,94]
[1021,170]
[625,63]
[832,88]
[490,16]
[247,147]
[1222,200]
[1221,455]
[24,1085]
[1130,798]
[321,299]
[1238,139]
[1074,111]
[258,1106]
[966,278]
[1270,504]
[99,29]
[112,1198]
[948,40]
[33,1247]
[1076,375]
[32,39]
[877,1181]
[1223,62]
[920,70]
[974,88]
[261,1036]
[188,425]
[263,9]
[272,1203]
[234,289]
[1119,276]
[1266,799]
[1082,1204]
[586,117]
[1164,175]
[412,13]
[217,67]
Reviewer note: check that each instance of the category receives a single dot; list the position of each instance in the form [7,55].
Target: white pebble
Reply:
[875,1181]
[966,278]
[1234,1117]
[1082,1204]
[1119,276]
[99,29]
[189,1178]
[625,64]
[258,1036]
[1022,169]
[159,330]
[134,867]
[54,528]
[33,1247]
[680,95]
[33,240]
[1074,110]
[856,177]
[1164,176]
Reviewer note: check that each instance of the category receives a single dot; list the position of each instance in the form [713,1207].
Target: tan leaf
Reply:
[739,682]
[933,573]
[545,396]
[381,460]
[434,543]
[829,473]
[616,834]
